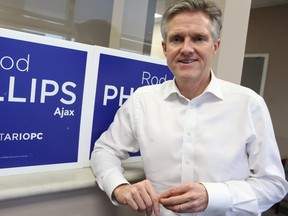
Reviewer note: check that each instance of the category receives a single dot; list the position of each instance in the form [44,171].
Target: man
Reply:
[207,146]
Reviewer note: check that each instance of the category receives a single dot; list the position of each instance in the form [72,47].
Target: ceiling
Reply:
[267,3]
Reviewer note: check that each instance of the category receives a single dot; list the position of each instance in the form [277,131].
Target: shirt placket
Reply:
[188,147]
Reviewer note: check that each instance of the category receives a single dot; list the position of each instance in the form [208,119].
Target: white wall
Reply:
[233,40]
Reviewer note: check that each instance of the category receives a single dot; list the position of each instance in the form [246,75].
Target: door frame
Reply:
[265,68]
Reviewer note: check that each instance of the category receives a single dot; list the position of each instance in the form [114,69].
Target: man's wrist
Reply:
[219,197]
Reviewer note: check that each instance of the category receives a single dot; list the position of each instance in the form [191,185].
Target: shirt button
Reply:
[187,162]
[188,133]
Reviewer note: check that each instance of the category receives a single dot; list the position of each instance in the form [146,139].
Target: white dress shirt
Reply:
[223,139]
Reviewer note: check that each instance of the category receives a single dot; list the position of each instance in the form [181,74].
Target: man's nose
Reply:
[188,47]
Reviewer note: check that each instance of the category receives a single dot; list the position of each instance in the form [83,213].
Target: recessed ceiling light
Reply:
[156,15]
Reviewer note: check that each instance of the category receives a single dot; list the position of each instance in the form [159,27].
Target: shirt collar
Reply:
[213,88]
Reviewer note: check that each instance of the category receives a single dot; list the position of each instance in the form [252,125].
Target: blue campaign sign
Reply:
[57,97]
[118,77]
[41,93]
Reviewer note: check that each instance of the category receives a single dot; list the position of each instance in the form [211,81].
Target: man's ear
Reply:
[216,46]
[164,48]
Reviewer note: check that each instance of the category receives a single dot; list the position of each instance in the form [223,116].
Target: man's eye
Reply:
[199,39]
[176,39]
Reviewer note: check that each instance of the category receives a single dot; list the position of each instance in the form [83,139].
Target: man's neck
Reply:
[191,89]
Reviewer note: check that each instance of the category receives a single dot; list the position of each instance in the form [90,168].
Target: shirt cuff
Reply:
[110,181]
[219,197]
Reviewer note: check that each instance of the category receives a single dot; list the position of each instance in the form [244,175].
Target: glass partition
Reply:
[122,24]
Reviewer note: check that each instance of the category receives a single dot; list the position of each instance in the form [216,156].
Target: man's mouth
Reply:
[187,61]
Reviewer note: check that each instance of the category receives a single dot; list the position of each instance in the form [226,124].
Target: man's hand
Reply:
[140,197]
[186,198]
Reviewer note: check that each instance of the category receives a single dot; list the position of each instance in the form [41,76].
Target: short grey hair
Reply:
[206,7]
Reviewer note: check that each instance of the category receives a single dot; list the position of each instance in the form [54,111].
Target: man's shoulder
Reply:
[154,88]
[236,89]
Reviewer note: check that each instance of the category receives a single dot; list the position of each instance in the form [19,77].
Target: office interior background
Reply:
[133,26]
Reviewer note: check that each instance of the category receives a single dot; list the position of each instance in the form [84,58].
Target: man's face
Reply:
[189,47]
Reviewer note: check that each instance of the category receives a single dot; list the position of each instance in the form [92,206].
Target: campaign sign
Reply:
[119,75]
[41,94]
